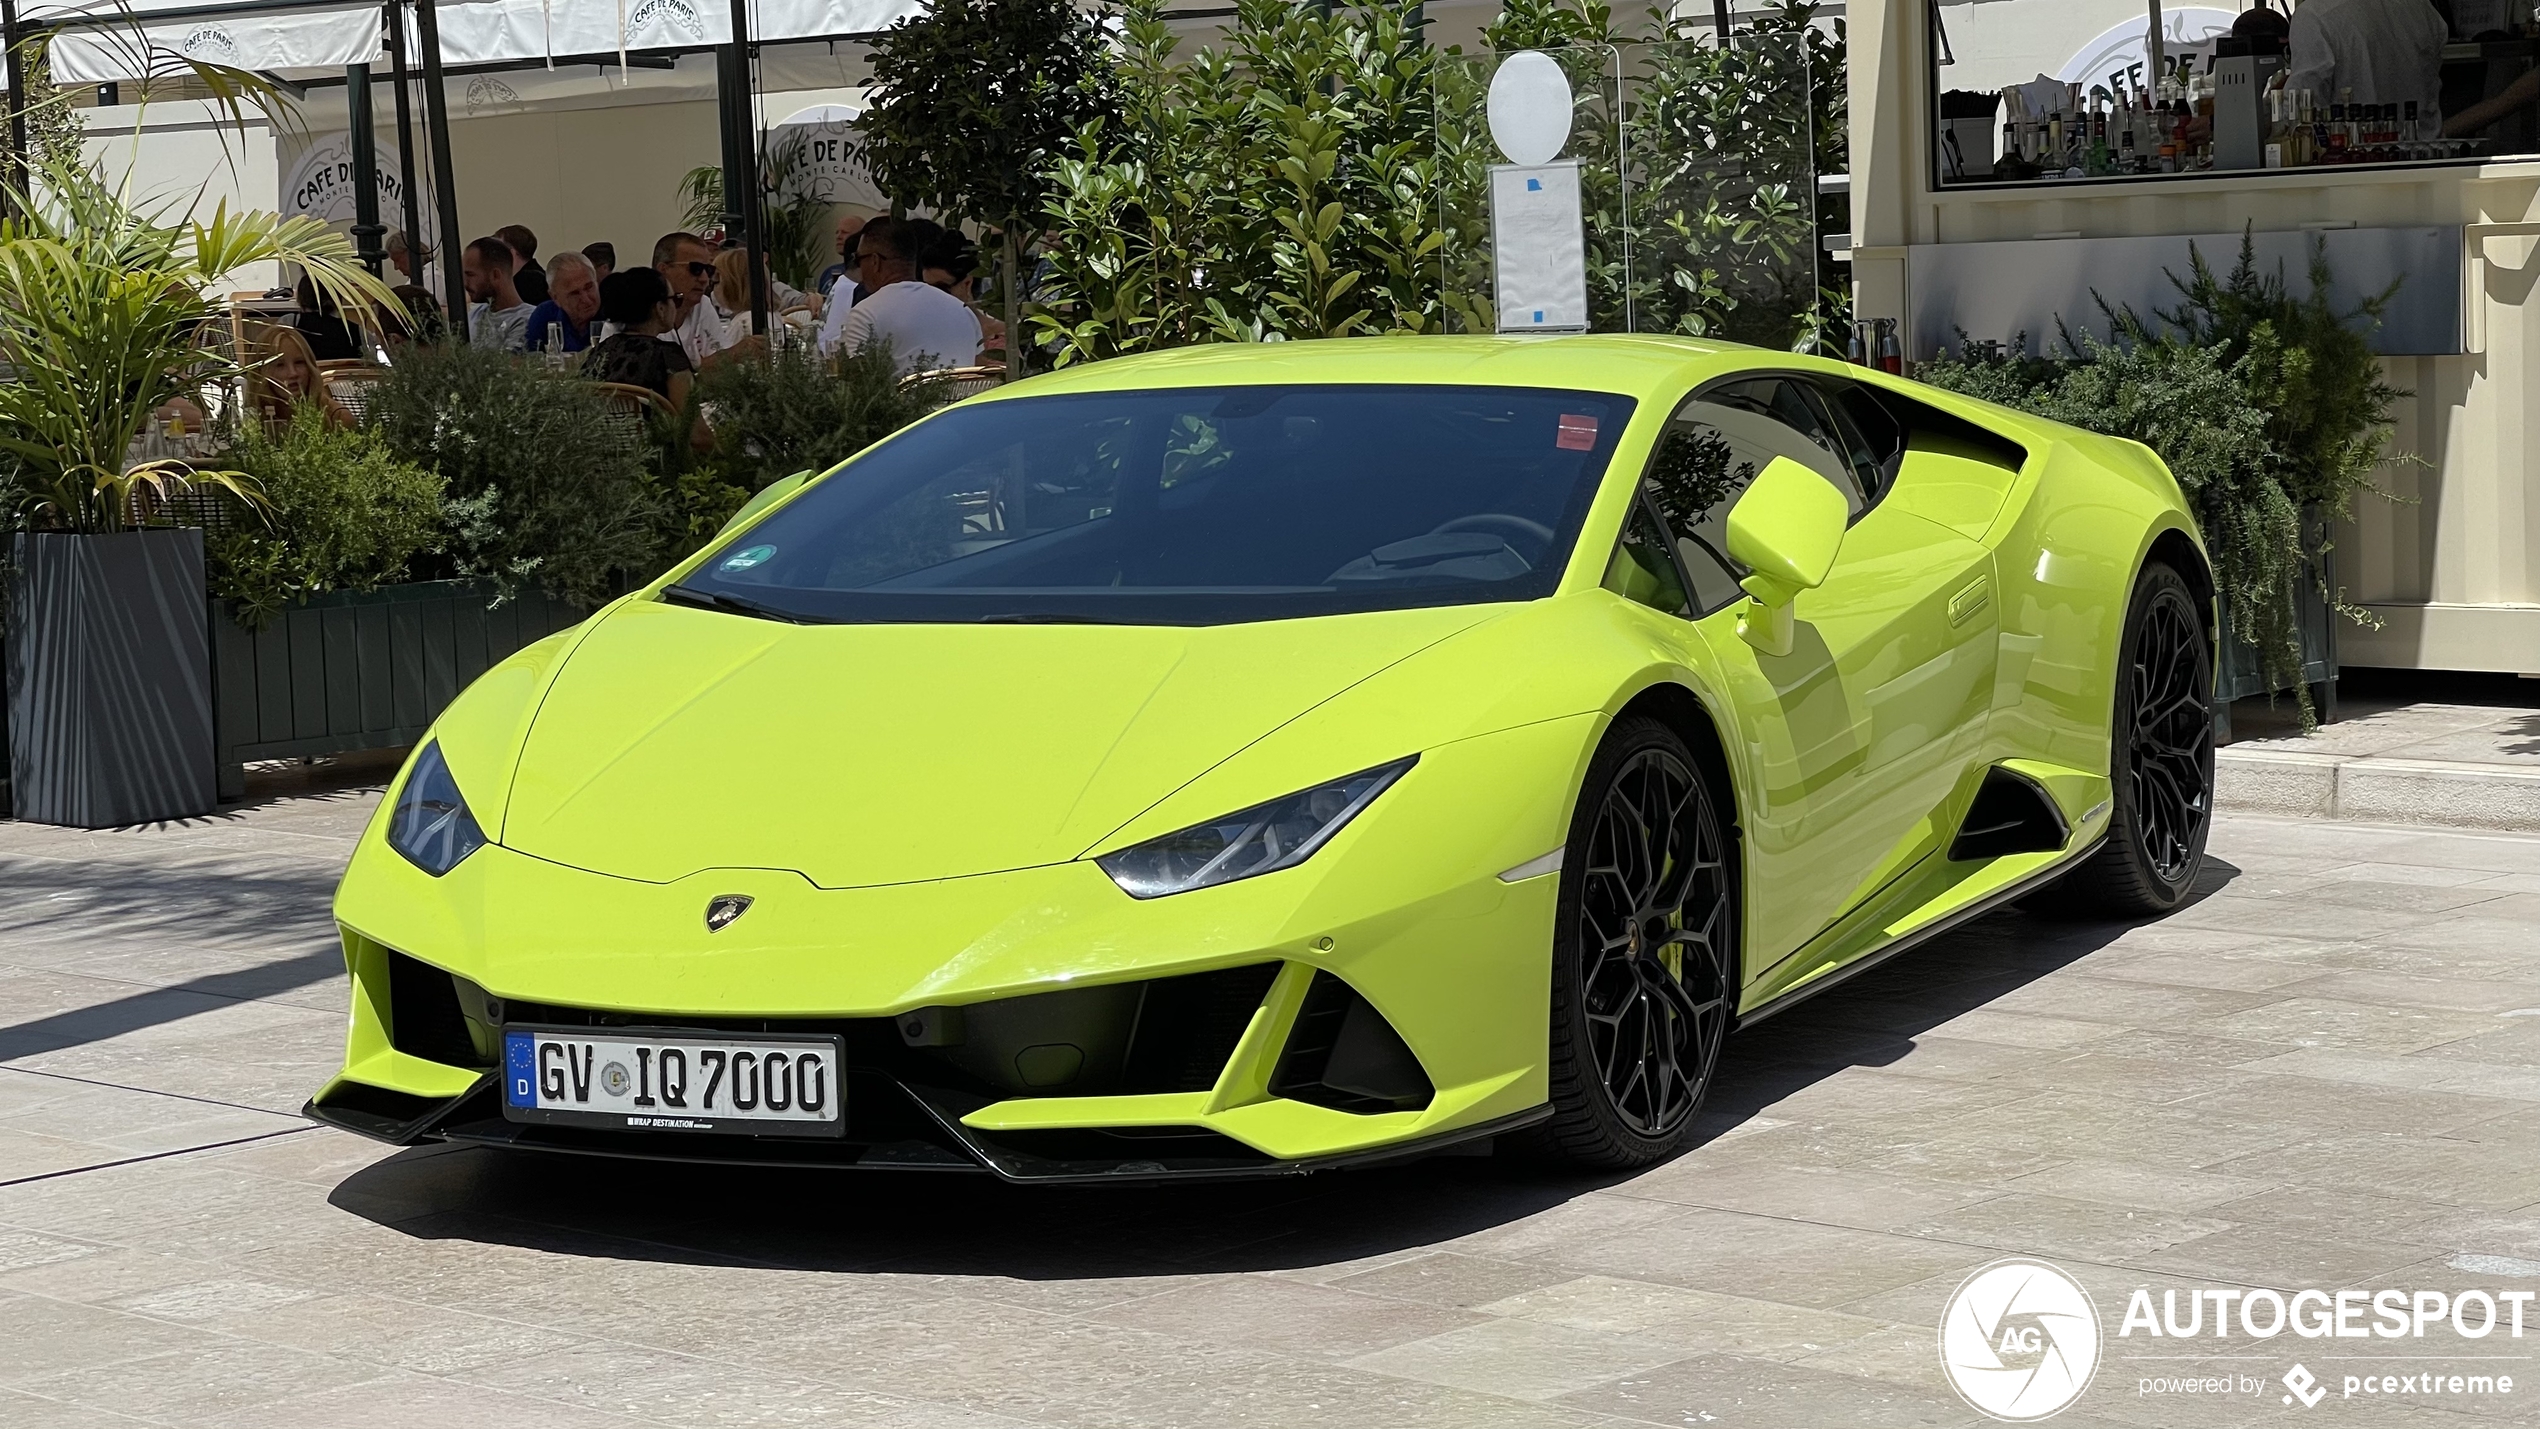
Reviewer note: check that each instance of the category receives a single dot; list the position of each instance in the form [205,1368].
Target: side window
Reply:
[1642,570]
[1711,450]
[1784,415]
[1871,432]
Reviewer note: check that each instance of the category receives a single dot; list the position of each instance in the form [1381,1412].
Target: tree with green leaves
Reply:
[973,102]
[1282,186]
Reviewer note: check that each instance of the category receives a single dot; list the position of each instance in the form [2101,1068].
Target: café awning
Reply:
[97,41]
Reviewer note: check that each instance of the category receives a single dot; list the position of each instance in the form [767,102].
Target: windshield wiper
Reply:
[728,603]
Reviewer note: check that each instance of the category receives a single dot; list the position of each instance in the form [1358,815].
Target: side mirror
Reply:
[1786,529]
[767,496]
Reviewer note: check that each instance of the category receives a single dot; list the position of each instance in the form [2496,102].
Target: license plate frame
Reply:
[622,1094]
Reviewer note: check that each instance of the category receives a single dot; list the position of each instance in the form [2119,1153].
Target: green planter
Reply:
[2243,674]
[359,669]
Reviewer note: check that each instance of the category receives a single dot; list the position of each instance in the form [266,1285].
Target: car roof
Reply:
[1632,365]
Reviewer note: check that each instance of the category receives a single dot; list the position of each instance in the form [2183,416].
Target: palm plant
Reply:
[103,297]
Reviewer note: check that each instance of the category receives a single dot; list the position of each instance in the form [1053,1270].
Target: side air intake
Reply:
[2011,814]
[1343,1054]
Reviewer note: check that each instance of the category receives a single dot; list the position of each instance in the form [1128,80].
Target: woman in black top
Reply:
[639,304]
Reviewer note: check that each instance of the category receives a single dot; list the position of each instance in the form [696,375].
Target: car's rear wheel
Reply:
[1644,953]
[2161,758]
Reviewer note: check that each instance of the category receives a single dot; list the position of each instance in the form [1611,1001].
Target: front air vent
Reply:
[424,1016]
[1343,1054]
[2011,814]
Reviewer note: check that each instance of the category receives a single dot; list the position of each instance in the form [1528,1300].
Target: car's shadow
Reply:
[946,1224]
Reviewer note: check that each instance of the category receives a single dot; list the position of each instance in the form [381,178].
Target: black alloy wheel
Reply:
[2161,761]
[1643,982]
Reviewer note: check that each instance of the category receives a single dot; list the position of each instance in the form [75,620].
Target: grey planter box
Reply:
[361,669]
[110,699]
[2243,673]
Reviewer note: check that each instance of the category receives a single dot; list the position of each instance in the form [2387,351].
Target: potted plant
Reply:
[2271,411]
[102,302]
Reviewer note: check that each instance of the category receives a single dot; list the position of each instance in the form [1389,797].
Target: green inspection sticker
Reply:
[747,557]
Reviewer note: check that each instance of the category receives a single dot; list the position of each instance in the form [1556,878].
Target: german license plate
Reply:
[760,1084]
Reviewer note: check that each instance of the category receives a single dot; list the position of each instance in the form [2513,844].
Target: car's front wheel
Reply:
[1644,953]
[2161,757]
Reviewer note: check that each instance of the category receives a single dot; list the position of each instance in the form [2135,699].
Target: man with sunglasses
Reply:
[687,265]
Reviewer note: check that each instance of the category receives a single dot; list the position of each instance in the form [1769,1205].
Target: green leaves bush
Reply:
[546,486]
[1281,187]
[338,512]
[2270,409]
[796,411]
[1325,175]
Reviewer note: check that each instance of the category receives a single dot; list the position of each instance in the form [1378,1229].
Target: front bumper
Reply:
[892,1126]
[1398,934]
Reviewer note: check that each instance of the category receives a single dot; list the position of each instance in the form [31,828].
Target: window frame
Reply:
[1812,391]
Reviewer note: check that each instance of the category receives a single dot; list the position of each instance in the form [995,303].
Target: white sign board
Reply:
[1538,247]
[829,169]
[320,184]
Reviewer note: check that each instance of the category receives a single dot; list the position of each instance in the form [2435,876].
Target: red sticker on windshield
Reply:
[1577,433]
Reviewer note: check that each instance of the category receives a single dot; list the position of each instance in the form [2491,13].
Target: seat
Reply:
[635,410]
[351,384]
[960,382]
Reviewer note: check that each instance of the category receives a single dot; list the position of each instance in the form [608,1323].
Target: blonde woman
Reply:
[286,375]
[732,295]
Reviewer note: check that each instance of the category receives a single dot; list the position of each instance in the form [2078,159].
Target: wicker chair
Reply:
[960,382]
[635,409]
[351,382]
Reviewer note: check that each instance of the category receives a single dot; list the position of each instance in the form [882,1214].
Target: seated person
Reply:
[732,295]
[603,256]
[639,308]
[286,376]
[925,327]
[330,337]
[496,316]
[953,265]
[573,300]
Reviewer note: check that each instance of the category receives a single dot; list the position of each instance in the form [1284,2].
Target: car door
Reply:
[1854,741]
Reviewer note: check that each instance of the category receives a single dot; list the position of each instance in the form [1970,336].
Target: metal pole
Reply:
[367,229]
[436,123]
[13,169]
[405,139]
[1720,18]
[741,199]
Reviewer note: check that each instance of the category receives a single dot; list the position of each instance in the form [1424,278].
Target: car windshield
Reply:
[1186,506]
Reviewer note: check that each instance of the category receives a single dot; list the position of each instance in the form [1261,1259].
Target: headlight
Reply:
[432,826]
[1261,839]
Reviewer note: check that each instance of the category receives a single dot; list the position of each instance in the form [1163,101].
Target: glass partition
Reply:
[1697,186]
[2100,91]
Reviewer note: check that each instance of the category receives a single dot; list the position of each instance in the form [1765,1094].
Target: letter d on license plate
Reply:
[757,1084]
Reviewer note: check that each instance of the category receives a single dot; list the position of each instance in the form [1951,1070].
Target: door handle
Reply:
[1971,598]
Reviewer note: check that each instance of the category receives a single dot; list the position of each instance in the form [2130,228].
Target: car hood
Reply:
[676,739]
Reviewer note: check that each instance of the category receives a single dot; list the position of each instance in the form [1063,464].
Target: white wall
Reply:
[186,155]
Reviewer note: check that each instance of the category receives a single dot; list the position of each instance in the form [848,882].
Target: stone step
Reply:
[2378,789]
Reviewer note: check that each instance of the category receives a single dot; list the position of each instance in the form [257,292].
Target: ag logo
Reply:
[721,910]
[485,89]
[2020,1340]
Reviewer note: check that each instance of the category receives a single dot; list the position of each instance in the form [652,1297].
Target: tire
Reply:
[2160,760]
[1644,954]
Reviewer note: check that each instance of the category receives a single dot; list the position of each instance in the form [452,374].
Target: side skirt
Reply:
[1999,898]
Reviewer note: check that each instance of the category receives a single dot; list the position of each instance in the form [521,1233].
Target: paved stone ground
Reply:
[2325,1073]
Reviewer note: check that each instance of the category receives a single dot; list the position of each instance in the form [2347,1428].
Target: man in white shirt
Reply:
[926,327]
[854,283]
[496,317]
[2371,52]
[687,265]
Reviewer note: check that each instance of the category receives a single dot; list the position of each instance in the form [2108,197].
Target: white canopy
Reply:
[303,42]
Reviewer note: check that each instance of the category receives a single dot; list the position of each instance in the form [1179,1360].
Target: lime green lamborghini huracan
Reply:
[1251,759]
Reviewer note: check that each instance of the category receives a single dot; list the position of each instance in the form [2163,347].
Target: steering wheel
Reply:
[1501,523]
